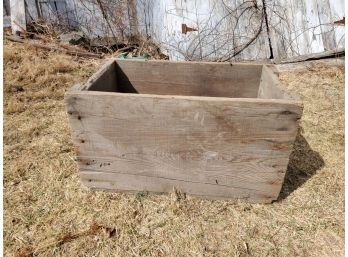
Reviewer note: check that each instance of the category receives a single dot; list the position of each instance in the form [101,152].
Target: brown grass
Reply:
[47,209]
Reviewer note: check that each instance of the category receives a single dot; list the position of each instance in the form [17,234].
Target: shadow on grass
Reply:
[303,164]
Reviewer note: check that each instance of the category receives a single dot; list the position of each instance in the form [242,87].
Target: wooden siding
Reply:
[297,27]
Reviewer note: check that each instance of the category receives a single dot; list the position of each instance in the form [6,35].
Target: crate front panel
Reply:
[210,147]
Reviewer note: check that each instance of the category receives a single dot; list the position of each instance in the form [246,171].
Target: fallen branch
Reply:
[124,48]
[46,47]
[93,230]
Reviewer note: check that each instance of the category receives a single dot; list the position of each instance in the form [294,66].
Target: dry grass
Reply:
[49,213]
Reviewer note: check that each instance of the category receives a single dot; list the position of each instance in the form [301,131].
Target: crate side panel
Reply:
[188,79]
[104,79]
[240,148]
[270,86]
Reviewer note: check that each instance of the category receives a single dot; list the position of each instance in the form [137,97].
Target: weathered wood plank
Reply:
[188,78]
[270,86]
[18,21]
[252,174]
[339,52]
[219,147]
[129,182]
[327,29]
[104,79]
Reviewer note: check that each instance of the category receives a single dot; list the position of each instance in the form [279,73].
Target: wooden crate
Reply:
[214,130]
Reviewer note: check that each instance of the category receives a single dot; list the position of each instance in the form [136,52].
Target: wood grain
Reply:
[18,16]
[129,182]
[210,146]
[270,86]
[104,79]
[188,78]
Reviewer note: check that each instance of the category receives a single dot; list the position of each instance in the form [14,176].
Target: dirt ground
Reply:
[49,213]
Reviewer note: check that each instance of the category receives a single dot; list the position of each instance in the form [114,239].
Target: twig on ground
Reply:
[46,47]
[93,230]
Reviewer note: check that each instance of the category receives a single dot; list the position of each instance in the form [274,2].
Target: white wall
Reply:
[294,28]
[18,21]
[294,25]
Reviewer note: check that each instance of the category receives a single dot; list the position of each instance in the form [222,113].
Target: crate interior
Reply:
[187,79]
